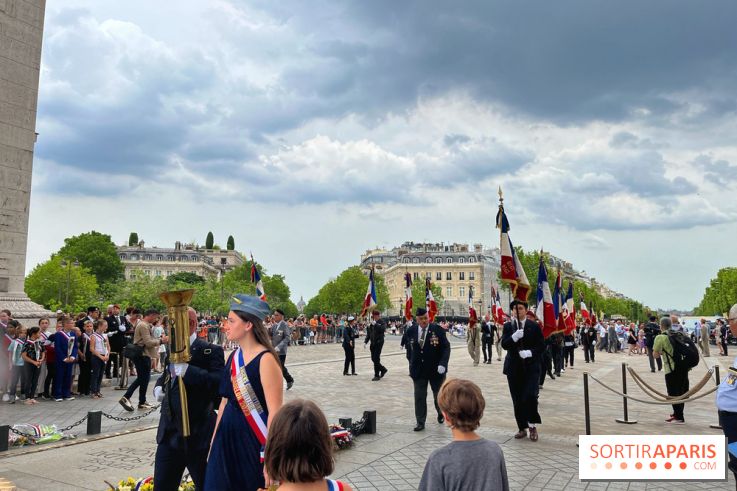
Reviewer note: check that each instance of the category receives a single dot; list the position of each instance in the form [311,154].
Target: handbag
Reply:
[132,351]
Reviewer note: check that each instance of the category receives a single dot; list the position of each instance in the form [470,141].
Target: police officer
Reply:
[375,335]
[727,397]
[523,340]
[349,346]
[201,378]
[429,355]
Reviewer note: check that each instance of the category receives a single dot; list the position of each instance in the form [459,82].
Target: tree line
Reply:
[720,295]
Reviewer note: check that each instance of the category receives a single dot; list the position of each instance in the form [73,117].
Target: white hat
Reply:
[351,318]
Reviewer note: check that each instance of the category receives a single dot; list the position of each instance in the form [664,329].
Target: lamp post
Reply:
[67,263]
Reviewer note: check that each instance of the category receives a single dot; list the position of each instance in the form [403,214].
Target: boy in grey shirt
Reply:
[469,462]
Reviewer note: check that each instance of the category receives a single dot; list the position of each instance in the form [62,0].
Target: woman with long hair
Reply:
[251,390]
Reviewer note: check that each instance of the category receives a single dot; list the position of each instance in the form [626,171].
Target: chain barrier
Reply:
[133,418]
[655,402]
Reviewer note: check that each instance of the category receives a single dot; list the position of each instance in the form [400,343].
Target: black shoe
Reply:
[383,372]
[345,373]
[551,375]
[376,379]
[419,427]
[441,419]
[541,387]
[354,374]
[290,384]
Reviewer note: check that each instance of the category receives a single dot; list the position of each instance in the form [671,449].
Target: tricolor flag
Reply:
[370,300]
[499,309]
[408,296]
[585,313]
[256,279]
[570,310]
[545,310]
[511,268]
[430,304]
[472,315]
[559,304]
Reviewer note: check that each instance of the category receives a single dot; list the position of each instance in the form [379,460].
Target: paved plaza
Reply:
[394,457]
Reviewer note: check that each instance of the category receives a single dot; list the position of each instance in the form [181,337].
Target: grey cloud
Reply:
[720,172]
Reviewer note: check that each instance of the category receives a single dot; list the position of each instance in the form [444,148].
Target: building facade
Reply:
[183,258]
[454,268]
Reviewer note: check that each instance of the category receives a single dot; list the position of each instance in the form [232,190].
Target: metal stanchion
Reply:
[4,431]
[586,409]
[94,422]
[122,372]
[345,422]
[716,426]
[626,419]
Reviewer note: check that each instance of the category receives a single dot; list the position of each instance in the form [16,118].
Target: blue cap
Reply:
[250,305]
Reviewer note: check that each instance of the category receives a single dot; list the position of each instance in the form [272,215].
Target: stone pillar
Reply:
[21,33]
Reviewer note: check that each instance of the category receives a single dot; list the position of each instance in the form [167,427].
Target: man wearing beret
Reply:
[280,336]
[523,340]
[429,355]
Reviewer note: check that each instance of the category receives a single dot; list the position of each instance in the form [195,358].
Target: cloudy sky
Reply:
[312,131]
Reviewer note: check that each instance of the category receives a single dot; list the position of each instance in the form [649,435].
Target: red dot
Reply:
[683,465]
[623,465]
[608,465]
[653,465]
[668,465]
[638,465]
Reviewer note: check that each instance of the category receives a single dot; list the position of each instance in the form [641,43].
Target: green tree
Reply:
[720,295]
[346,293]
[133,239]
[95,251]
[49,283]
[140,290]
[231,243]
[185,277]
[209,241]
[419,295]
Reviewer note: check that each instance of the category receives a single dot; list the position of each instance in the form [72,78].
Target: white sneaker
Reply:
[6,397]
[58,400]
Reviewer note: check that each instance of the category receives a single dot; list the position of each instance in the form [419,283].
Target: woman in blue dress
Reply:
[251,390]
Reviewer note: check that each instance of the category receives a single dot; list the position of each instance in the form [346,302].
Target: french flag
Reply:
[585,312]
[499,309]
[472,315]
[370,300]
[408,296]
[256,279]
[511,268]
[570,310]
[545,311]
[430,304]
[561,311]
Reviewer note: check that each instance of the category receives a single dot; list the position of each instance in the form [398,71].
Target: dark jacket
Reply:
[435,352]
[532,340]
[375,333]
[202,381]
[486,331]
[116,338]
[349,335]
[651,331]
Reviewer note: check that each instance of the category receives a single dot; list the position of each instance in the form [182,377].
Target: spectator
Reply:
[299,449]
[5,364]
[33,357]
[143,338]
[48,388]
[100,353]
[469,462]
[676,380]
[651,331]
[16,362]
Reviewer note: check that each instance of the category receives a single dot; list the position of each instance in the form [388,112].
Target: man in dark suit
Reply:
[523,340]
[375,335]
[117,325]
[429,354]
[202,379]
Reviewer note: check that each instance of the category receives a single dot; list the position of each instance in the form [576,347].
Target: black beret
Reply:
[420,311]
[516,302]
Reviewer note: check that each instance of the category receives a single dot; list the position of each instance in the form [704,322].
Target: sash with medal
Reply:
[247,399]
[102,341]
[70,343]
[36,347]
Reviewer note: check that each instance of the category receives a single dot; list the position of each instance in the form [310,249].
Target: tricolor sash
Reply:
[335,485]
[70,340]
[247,399]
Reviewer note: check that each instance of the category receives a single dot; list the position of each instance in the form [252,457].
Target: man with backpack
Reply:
[681,355]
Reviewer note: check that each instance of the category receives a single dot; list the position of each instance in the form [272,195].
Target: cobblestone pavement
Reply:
[394,457]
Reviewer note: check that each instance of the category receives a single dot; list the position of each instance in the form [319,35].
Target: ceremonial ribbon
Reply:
[70,346]
[247,399]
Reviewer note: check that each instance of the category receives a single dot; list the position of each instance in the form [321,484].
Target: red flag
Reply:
[545,311]
[430,304]
[511,267]
[408,296]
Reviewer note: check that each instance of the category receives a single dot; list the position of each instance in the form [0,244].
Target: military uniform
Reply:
[473,340]
[429,355]
[523,373]
[202,380]
[375,335]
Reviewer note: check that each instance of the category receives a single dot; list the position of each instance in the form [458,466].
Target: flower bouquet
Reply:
[145,484]
[342,438]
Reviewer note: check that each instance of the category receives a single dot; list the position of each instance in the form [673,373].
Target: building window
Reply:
[147,272]
[405,260]
[449,291]
[416,260]
[438,276]
[428,260]
[170,258]
[472,275]
[158,272]
[448,275]
[439,260]
[461,259]
[168,273]
[461,276]
[416,276]
[471,260]
[194,258]
[159,257]
[134,257]
[428,275]
[183,258]
[123,257]
[449,260]
[461,291]
[148,257]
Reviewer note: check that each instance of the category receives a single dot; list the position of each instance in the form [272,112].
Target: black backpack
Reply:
[685,353]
